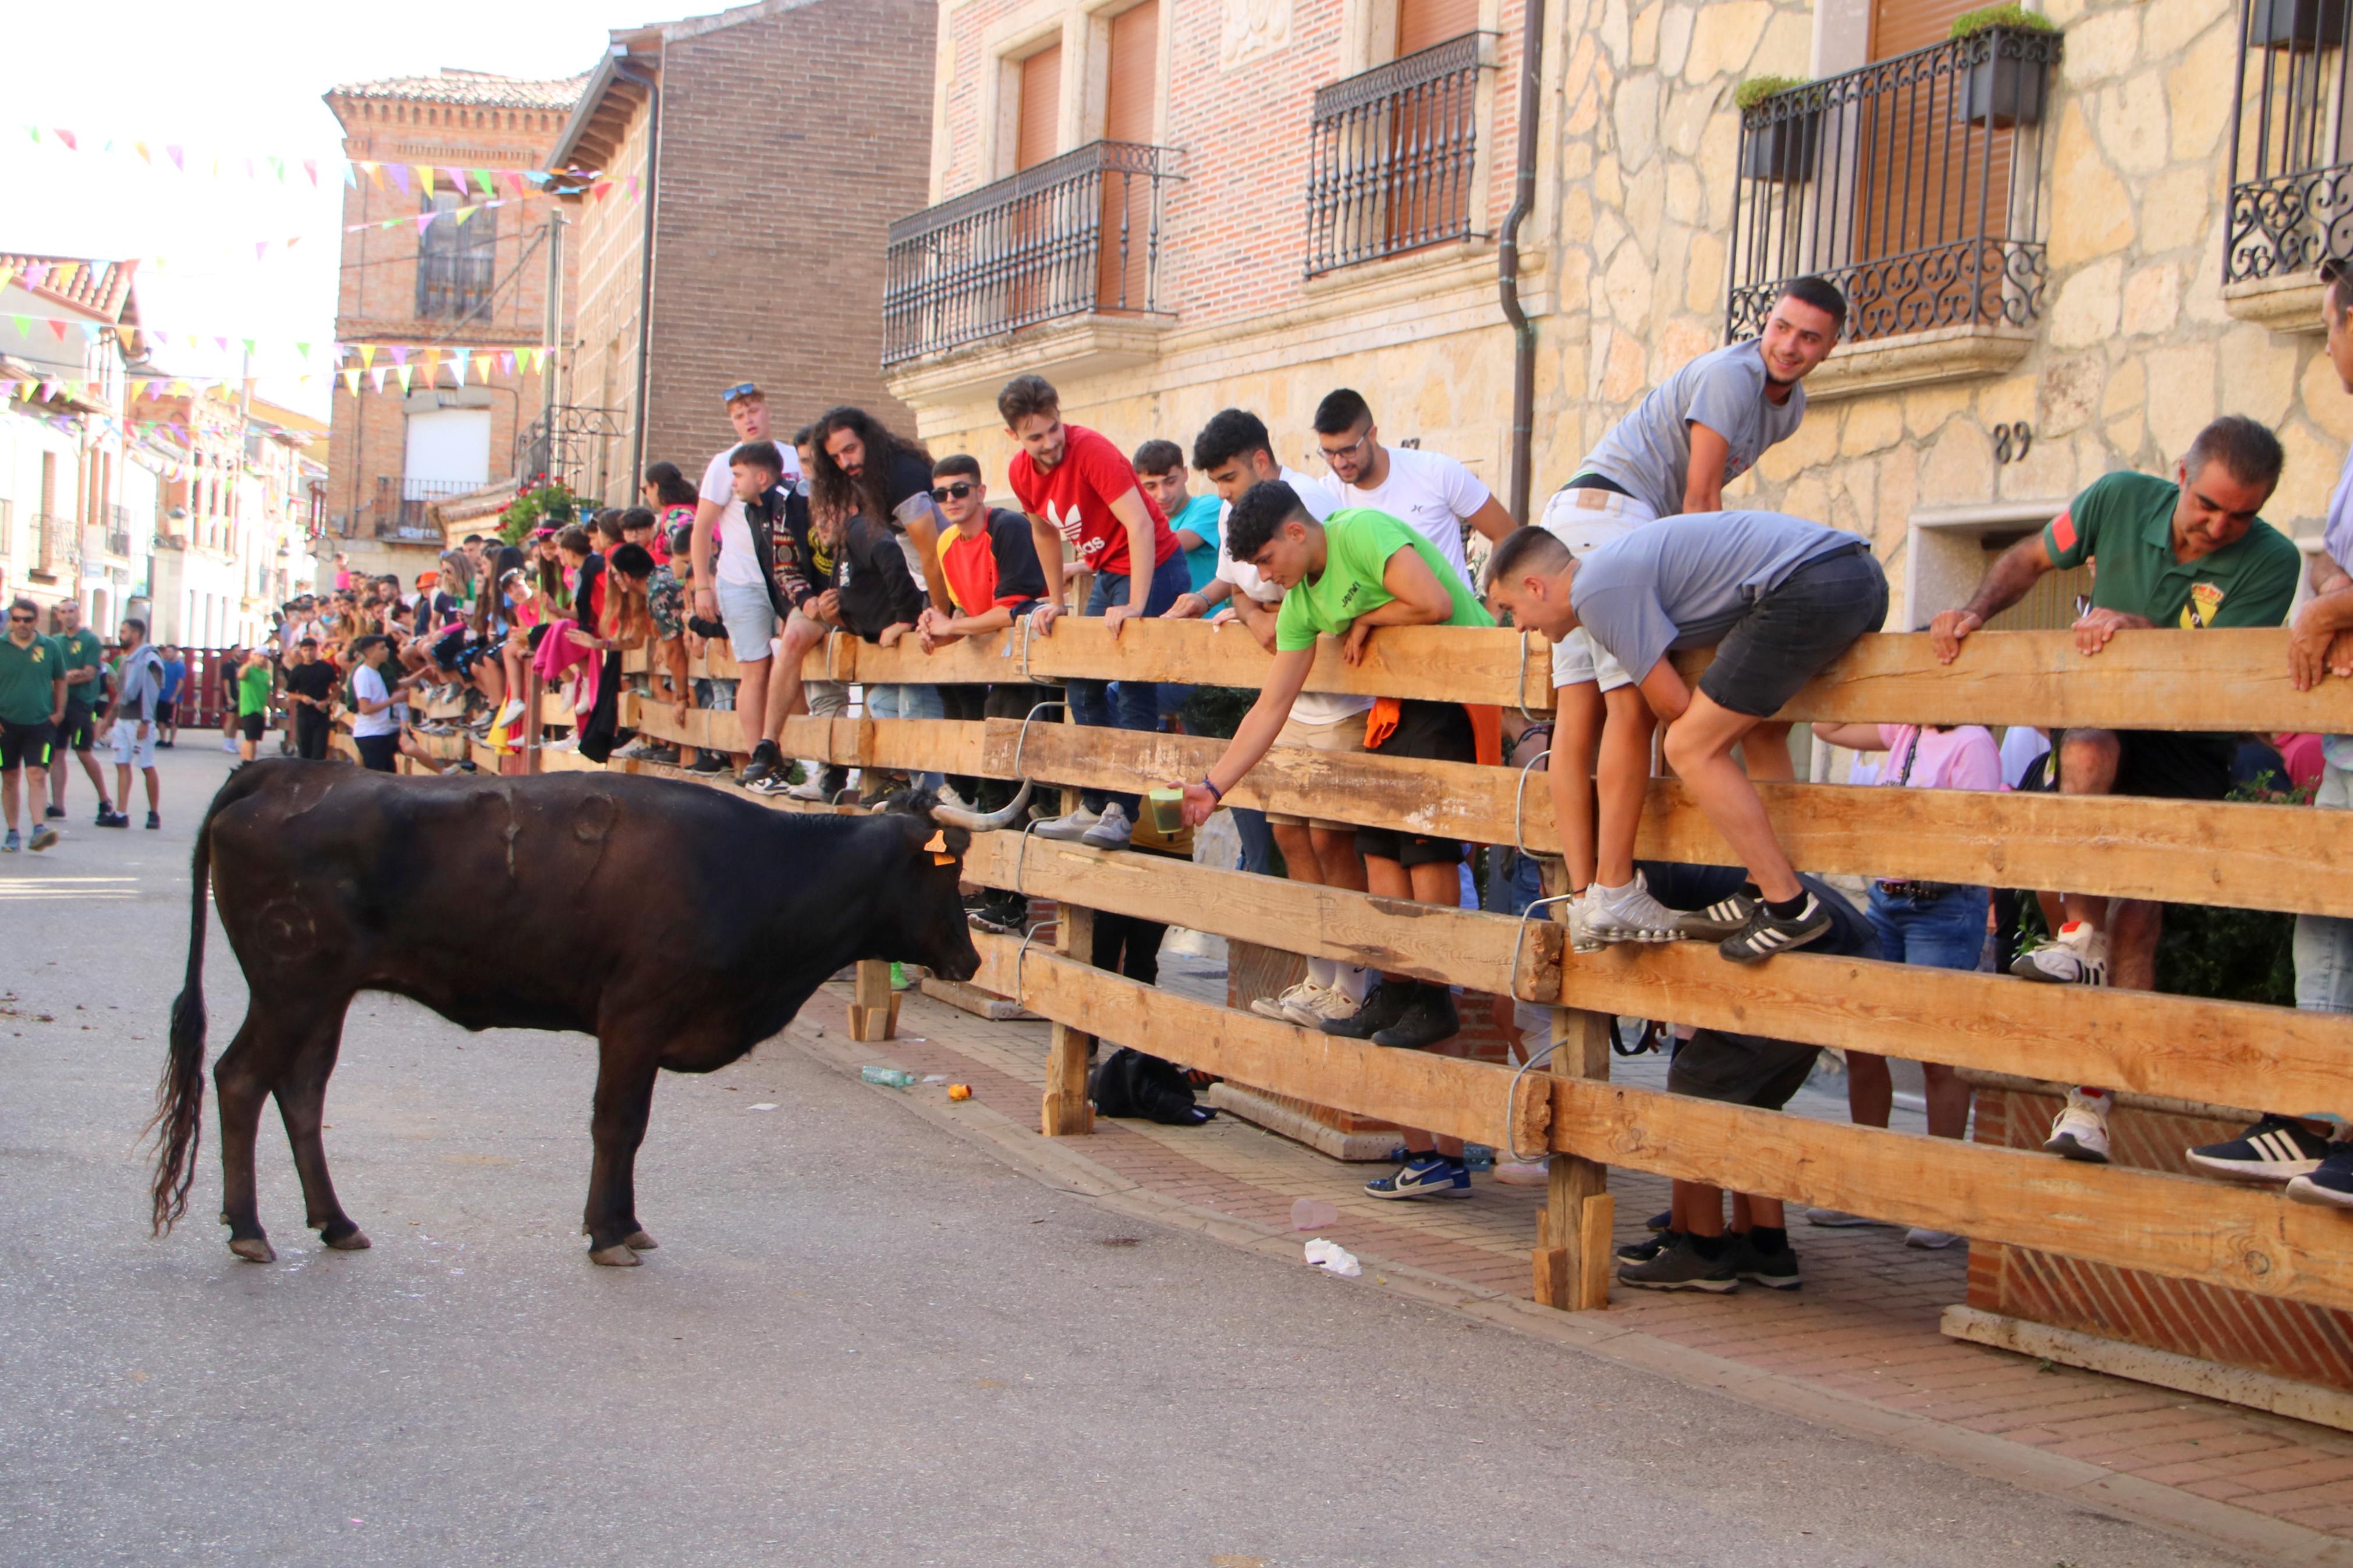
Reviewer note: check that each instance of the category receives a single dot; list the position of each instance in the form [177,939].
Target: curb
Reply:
[1056,1163]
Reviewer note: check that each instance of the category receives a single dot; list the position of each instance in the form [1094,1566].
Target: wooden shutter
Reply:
[1041,108]
[1131,103]
[1421,23]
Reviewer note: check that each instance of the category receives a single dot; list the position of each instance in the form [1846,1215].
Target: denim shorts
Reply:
[1792,632]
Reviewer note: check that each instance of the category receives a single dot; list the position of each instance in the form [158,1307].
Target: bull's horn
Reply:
[977,822]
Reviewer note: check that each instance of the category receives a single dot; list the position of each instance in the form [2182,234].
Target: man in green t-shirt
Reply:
[254,680]
[2188,554]
[1356,570]
[32,701]
[85,659]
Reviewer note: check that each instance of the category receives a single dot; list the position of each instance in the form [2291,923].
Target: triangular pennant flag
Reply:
[378,376]
[89,330]
[24,323]
[141,148]
[179,157]
[293,240]
[483,179]
[7,390]
[367,354]
[598,191]
[399,352]
[48,390]
[59,329]
[457,368]
[67,138]
[374,171]
[351,380]
[6,274]
[222,342]
[424,176]
[507,363]
[399,172]
[350,175]
[482,367]
[462,214]
[248,348]
[311,167]
[406,371]
[138,387]
[278,165]
[514,182]
[633,187]
[305,350]
[61,276]
[260,248]
[35,273]
[425,220]
[457,179]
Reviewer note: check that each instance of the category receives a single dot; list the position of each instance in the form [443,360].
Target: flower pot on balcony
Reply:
[2298,24]
[1783,152]
[2002,90]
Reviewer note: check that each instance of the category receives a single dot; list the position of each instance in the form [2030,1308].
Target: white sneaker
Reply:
[1932,1240]
[1278,1007]
[2078,955]
[1631,914]
[1578,915]
[1524,1173]
[947,795]
[509,712]
[1069,829]
[1320,1002]
[2080,1131]
[1112,830]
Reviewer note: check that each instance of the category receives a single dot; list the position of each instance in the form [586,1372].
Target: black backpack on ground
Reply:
[1129,1083]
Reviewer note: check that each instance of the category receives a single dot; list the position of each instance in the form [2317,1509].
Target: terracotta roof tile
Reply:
[478,89]
[97,289]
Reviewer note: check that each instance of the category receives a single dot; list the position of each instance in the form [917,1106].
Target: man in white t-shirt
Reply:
[1430,492]
[733,589]
[1235,451]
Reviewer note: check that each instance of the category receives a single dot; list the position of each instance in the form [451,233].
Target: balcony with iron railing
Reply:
[117,529]
[1073,237]
[51,533]
[1915,185]
[2291,159]
[399,509]
[1392,156]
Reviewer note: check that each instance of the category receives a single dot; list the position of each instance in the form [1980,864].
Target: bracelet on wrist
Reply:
[1215,792]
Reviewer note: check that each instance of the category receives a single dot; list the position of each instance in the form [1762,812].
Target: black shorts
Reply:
[251,725]
[1793,631]
[1433,731]
[23,744]
[1740,1070]
[77,731]
[2165,764]
[164,710]
[377,751]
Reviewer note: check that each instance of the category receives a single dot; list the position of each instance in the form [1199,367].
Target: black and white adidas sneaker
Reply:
[1768,933]
[2275,1149]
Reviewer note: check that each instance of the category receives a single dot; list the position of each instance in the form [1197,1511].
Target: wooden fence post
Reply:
[1066,1113]
[1572,1256]
[874,1006]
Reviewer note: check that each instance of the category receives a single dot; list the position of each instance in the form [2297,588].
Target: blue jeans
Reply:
[1257,839]
[908,702]
[1138,704]
[1945,932]
[2323,943]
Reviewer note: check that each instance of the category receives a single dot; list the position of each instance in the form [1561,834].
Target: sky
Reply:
[232,80]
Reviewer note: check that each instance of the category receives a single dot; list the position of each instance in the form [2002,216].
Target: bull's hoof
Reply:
[253,1250]
[638,1241]
[353,1240]
[616,1256]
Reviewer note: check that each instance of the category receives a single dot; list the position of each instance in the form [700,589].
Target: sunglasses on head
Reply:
[741,389]
[956,491]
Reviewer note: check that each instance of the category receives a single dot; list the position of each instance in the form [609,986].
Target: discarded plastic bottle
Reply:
[889,1078]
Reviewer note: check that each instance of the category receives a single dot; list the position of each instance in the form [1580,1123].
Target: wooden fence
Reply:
[2238,855]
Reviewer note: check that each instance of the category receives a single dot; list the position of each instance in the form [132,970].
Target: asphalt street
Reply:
[861,1340]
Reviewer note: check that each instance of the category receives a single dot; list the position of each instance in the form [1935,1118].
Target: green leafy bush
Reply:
[1984,18]
[552,504]
[1756,89]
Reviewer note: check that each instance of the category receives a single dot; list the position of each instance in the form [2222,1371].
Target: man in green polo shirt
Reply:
[1356,570]
[32,701]
[85,659]
[2187,554]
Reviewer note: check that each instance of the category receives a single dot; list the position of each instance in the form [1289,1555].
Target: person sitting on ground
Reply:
[1691,1250]
[131,722]
[32,703]
[1160,473]
[1696,432]
[1778,598]
[1078,488]
[2187,552]
[1346,577]
[990,563]
[1237,453]
[1937,925]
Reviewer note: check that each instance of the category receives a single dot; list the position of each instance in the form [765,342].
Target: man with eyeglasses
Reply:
[32,701]
[730,584]
[1430,493]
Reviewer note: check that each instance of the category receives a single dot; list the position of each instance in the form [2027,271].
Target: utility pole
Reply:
[554,332]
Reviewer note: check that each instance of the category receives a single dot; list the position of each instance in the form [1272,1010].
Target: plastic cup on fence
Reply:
[1168,809]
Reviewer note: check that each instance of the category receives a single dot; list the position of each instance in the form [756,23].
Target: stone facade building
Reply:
[776,143]
[2041,293]
[480,283]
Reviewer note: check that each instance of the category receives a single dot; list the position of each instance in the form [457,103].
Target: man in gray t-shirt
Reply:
[1779,598]
[1728,404]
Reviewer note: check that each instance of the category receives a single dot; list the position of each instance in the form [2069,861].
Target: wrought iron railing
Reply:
[399,510]
[2291,164]
[50,533]
[1076,234]
[455,284]
[1394,149]
[1914,184]
[118,529]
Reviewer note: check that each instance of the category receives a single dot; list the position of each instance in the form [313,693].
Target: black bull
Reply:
[679,924]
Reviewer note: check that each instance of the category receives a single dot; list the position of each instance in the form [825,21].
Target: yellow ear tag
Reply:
[938,840]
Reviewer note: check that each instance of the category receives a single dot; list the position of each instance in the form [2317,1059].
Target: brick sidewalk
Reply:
[1865,1324]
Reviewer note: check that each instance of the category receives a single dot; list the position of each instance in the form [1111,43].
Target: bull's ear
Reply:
[948,845]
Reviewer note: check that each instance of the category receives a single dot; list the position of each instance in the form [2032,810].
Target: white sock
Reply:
[1600,890]
[1356,982]
[1320,971]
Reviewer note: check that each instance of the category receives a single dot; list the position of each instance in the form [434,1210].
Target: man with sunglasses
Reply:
[1428,492]
[731,586]
[2187,553]
[32,701]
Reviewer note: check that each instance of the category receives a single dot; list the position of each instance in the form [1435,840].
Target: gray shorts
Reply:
[751,617]
[1793,632]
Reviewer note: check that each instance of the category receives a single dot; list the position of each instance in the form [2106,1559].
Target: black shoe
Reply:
[54,810]
[1644,1251]
[154,822]
[1774,1270]
[2328,1185]
[1768,933]
[1428,1019]
[1003,916]
[1680,1267]
[766,759]
[2276,1149]
[112,819]
[1384,1008]
[708,764]
[1661,1221]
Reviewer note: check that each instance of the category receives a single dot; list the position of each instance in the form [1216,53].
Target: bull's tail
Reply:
[180,1097]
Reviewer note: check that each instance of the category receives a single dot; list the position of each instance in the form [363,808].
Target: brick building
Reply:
[775,143]
[478,283]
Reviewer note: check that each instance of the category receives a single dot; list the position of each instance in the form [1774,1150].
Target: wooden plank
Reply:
[2223,680]
[1065,1111]
[2240,1237]
[1572,1264]
[1458,947]
[1462,1099]
[874,1008]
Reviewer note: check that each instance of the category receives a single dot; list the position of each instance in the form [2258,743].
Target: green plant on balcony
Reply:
[2011,15]
[1756,89]
[1781,150]
[550,505]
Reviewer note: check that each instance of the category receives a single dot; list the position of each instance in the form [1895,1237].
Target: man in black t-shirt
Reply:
[310,693]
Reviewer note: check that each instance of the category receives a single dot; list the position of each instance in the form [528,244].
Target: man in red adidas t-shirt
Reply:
[1076,486]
